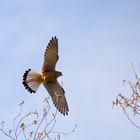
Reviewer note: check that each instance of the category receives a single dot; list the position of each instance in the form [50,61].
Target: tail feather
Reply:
[31,80]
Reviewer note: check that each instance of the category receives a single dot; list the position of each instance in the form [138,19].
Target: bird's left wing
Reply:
[51,55]
[57,94]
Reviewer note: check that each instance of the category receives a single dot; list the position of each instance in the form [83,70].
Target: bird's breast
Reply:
[49,76]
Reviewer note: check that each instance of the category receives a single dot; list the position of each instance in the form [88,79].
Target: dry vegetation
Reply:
[34,125]
[130,105]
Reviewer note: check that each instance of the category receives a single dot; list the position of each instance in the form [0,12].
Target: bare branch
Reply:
[131,103]
[64,133]
[34,129]
[7,134]
[124,110]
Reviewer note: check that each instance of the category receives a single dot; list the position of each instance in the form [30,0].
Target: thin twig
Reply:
[25,128]
[24,135]
[39,126]
[64,133]
[136,76]
[20,110]
[18,125]
[53,119]
[7,134]
[129,117]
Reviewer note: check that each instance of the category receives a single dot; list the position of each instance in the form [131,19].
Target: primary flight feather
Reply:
[48,77]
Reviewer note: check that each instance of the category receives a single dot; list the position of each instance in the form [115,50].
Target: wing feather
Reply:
[57,94]
[51,55]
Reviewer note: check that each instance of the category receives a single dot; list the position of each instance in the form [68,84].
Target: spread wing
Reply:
[51,55]
[57,94]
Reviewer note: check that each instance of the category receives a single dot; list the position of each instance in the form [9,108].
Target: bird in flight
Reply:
[48,77]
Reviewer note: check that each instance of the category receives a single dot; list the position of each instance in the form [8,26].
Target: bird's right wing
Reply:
[51,55]
[57,94]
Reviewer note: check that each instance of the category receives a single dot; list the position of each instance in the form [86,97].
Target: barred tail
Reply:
[31,80]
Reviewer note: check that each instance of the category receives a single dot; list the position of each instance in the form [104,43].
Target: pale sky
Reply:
[98,41]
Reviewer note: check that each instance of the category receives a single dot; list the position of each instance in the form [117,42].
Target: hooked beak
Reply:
[61,74]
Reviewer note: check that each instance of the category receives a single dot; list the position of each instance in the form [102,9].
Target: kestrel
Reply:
[48,77]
